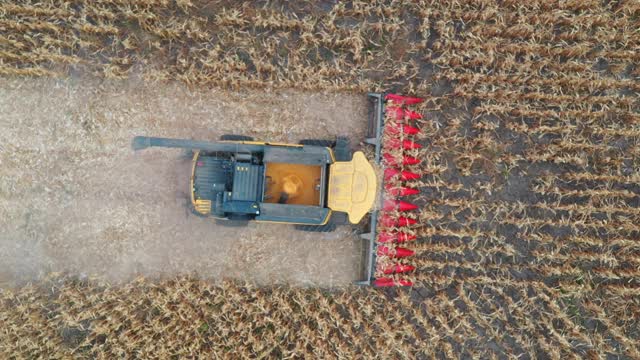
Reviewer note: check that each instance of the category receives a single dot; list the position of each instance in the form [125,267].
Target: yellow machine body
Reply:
[352,187]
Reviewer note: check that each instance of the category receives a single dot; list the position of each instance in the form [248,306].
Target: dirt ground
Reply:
[75,198]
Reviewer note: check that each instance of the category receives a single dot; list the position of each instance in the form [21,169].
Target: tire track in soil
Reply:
[75,198]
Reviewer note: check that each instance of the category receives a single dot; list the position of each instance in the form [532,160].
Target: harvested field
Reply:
[77,199]
[527,238]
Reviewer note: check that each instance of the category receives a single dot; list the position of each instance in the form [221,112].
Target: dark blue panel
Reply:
[247,180]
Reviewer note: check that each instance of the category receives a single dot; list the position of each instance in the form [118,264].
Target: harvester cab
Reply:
[315,185]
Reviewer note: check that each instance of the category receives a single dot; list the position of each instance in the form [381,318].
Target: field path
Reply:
[75,198]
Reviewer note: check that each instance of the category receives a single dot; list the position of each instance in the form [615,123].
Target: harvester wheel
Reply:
[342,149]
[234,221]
[318,142]
[339,217]
[328,227]
[232,137]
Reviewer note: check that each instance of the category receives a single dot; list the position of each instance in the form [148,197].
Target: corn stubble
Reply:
[528,236]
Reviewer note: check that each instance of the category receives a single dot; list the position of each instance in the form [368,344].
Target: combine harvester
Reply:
[315,185]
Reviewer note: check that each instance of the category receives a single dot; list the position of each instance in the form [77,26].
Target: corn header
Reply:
[392,134]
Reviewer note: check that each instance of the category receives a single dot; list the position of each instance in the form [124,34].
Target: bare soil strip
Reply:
[75,198]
